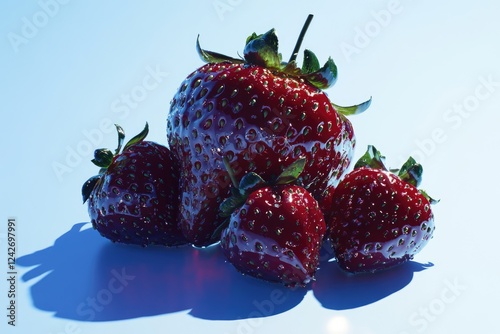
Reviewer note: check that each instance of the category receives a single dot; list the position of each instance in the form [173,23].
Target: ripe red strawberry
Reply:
[379,219]
[135,199]
[260,113]
[276,231]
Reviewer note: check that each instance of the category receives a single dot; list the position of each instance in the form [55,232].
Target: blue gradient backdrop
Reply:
[70,69]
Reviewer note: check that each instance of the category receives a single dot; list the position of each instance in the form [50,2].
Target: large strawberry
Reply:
[260,113]
[276,229]
[379,219]
[134,199]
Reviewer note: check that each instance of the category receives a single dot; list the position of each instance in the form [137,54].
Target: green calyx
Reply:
[137,138]
[262,50]
[411,171]
[354,109]
[372,159]
[104,157]
[89,186]
[252,181]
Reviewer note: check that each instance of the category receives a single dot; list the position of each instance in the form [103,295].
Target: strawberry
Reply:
[276,229]
[262,114]
[379,219]
[134,199]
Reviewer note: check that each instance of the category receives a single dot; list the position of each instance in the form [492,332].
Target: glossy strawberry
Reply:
[135,199]
[260,113]
[379,219]
[276,231]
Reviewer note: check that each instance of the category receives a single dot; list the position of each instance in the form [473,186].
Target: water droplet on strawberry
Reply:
[220,89]
[406,229]
[258,247]
[320,127]
[251,135]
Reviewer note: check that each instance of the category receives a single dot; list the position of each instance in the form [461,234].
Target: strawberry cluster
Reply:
[257,161]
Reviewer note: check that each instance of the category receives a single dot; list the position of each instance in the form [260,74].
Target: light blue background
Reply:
[431,67]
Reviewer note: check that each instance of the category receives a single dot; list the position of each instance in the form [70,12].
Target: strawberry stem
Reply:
[301,38]
[237,198]
[230,172]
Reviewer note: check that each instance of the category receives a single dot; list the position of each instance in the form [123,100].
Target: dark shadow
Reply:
[338,290]
[87,278]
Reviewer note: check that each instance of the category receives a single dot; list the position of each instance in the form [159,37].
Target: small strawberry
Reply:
[276,231]
[262,114]
[134,199]
[379,219]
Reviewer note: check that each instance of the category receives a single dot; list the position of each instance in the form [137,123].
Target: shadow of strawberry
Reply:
[85,277]
[338,290]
